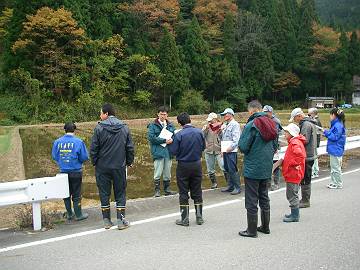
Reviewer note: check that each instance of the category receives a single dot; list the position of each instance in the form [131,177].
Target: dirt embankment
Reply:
[11,169]
[11,162]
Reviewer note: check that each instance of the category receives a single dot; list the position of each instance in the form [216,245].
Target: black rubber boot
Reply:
[184,212]
[198,214]
[305,196]
[251,230]
[157,188]
[79,215]
[167,189]
[213,180]
[229,187]
[265,221]
[122,223]
[69,215]
[106,217]
[235,178]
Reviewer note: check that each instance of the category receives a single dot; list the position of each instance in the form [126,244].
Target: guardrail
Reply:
[34,191]
[351,143]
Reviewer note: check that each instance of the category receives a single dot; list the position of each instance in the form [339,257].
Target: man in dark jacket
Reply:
[276,174]
[111,151]
[308,130]
[258,144]
[160,152]
[188,145]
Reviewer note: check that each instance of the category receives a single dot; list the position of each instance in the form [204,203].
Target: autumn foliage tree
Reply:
[52,42]
[155,14]
[211,14]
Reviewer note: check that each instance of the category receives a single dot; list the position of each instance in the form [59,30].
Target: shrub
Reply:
[193,102]
[141,98]
[23,217]
[221,105]
[14,109]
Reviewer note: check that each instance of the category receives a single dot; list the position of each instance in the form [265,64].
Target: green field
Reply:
[5,139]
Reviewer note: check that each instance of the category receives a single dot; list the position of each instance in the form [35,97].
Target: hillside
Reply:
[343,13]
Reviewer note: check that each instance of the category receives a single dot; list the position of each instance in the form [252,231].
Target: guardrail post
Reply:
[36,208]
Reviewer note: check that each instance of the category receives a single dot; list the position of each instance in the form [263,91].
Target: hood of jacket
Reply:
[112,124]
[265,126]
[308,119]
[300,138]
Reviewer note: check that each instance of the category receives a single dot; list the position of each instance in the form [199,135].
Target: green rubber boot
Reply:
[69,215]
[293,217]
[79,215]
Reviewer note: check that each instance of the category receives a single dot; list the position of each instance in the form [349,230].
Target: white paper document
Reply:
[165,134]
[225,145]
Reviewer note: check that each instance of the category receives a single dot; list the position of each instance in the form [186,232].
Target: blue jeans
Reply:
[230,162]
[230,166]
[211,160]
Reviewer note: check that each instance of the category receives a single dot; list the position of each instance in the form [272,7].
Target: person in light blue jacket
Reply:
[231,134]
[335,147]
[70,153]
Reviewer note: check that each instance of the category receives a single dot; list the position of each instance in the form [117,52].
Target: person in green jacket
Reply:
[258,143]
[160,152]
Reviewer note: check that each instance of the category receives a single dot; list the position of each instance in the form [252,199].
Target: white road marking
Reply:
[139,222]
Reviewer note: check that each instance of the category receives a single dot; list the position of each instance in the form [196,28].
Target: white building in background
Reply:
[356,93]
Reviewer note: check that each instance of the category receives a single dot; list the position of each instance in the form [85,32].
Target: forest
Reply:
[60,60]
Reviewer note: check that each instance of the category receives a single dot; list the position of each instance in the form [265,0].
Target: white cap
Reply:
[312,111]
[293,129]
[228,110]
[295,112]
[268,108]
[211,116]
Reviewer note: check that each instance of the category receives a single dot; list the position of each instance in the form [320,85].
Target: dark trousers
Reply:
[230,162]
[188,178]
[230,166]
[308,172]
[256,191]
[75,181]
[108,178]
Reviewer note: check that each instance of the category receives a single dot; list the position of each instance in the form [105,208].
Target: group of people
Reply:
[112,150]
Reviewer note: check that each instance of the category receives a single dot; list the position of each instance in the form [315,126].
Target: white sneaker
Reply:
[332,186]
[315,176]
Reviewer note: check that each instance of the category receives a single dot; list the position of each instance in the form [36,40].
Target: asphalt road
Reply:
[327,237]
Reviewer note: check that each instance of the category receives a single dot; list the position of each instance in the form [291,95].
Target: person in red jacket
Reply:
[293,169]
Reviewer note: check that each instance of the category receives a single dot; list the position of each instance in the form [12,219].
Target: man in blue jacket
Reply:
[70,153]
[111,151]
[258,143]
[160,152]
[188,145]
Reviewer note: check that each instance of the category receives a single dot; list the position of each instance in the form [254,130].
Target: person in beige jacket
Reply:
[213,147]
